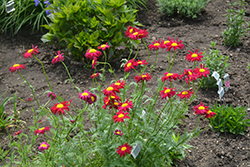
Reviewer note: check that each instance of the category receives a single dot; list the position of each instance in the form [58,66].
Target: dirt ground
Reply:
[211,149]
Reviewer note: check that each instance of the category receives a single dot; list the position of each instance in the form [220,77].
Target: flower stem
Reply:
[154,62]
[146,48]
[172,62]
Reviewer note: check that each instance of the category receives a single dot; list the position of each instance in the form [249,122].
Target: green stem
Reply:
[146,47]
[169,60]
[110,68]
[154,62]
[172,62]
[137,51]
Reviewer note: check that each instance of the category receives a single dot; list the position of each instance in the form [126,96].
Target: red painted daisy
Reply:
[210,114]
[85,95]
[164,44]
[142,34]
[130,30]
[17,133]
[104,46]
[194,56]
[170,76]
[141,62]
[72,121]
[191,76]
[120,116]
[110,90]
[167,92]
[126,106]
[92,99]
[174,44]
[42,130]
[202,72]
[30,52]
[94,75]
[119,84]
[52,95]
[94,62]
[16,67]
[44,146]
[92,53]
[200,109]
[156,45]
[58,57]
[144,77]
[121,150]
[59,108]
[118,132]
[185,94]
[129,65]
[29,99]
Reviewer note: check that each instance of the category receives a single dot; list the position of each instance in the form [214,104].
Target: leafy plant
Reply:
[236,25]
[134,4]
[215,62]
[26,14]
[186,8]
[84,24]
[230,119]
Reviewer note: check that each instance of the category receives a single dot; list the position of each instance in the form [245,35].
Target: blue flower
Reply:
[36,2]
[46,2]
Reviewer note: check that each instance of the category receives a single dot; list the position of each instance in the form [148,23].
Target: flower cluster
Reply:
[201,109]
[42,130]
[168,44]
[136,33]
[88,97]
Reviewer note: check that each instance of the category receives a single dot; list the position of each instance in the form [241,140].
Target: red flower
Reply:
[190,75]
[164,44]
[170,76]
[120,116]
[58,57]
[130,31]
[134,36]
[94,75]
[30,52]
[118,132]
[72,121]
[174,44]
[17,133]
[52,95]
[121,150]
[202,71]
[88,97]
[156,45]
[129,65]
[111,89]
[59,108]
[104,46]
[112,101]
[44,146]
[42,130]
[126,106]
[29,99]
[16,67]
[144,77]
[210,114]
[119,84]
[141,62]
[92,99]
[92,53]
[142,34]
[167,92]
[194,56]
[94,62]
[200,109]
[185,94]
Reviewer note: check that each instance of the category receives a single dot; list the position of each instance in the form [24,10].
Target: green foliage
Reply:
[4,120]
[215,62]
[26,14]
[83,24]
[186,8]
[236,26]
[230,119]
[134,4]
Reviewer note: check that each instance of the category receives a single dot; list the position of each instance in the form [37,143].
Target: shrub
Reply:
[85,24]
[26,14]
[186,8]
[236,26]
[230,119]
[134,4]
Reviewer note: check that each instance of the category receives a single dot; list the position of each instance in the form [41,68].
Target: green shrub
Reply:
[230,119]
[186,8]
[26,14]
[214,61]
[134,4]
[82,24]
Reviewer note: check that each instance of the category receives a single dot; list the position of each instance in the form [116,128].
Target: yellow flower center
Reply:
[135,33]
[44,145]
[189,73]
[201,108]
[116,103]
[59,106]
[169,74]
[85,94]
[202,70]
[129,64]
[92,98]
[185,93]
[143,76]
[124,105]
[103,46]
[118,132]
[120,115]
[110,88]
[56,56]
[167,91]
[16,65]
[92,51]
[31,50]
[112,97]
[139,62]
[156,44]
[194,55]
[165,42]
[124,148]
[118,84]
[131,30]
[174,44]
[209,111]
[41,128]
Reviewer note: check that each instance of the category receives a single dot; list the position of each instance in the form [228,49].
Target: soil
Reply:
[210,148]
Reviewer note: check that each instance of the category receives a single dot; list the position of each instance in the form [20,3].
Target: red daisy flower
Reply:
[121,150]
[194,56]
[119,84]
[72,121]
[52,95]
[120,116]
[44,146]
[185,94]
[170,76]
[167,92]
[92,53]
[202,72]
[210,114]
[130,30]
[129,65]
[104,46]
[191,76]
[94,62]
[30,52]
[141,62]
[156,45]
[125,106]
[16,67]
[174,44]
[59,108]
[164,44]
[42,130]
[112,101]
[134,36]
[200,109]
[29,99]
[118,132]
[17,133]
[110,90]
[144,77]
[142,34]
[58,57]
[85,95]
[94,75]
[92,99]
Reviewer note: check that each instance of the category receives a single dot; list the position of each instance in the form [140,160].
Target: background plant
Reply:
[215,62]
[186,8]
[230,119]
[81,25]
[26,14]
[236,25]
[134,4]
